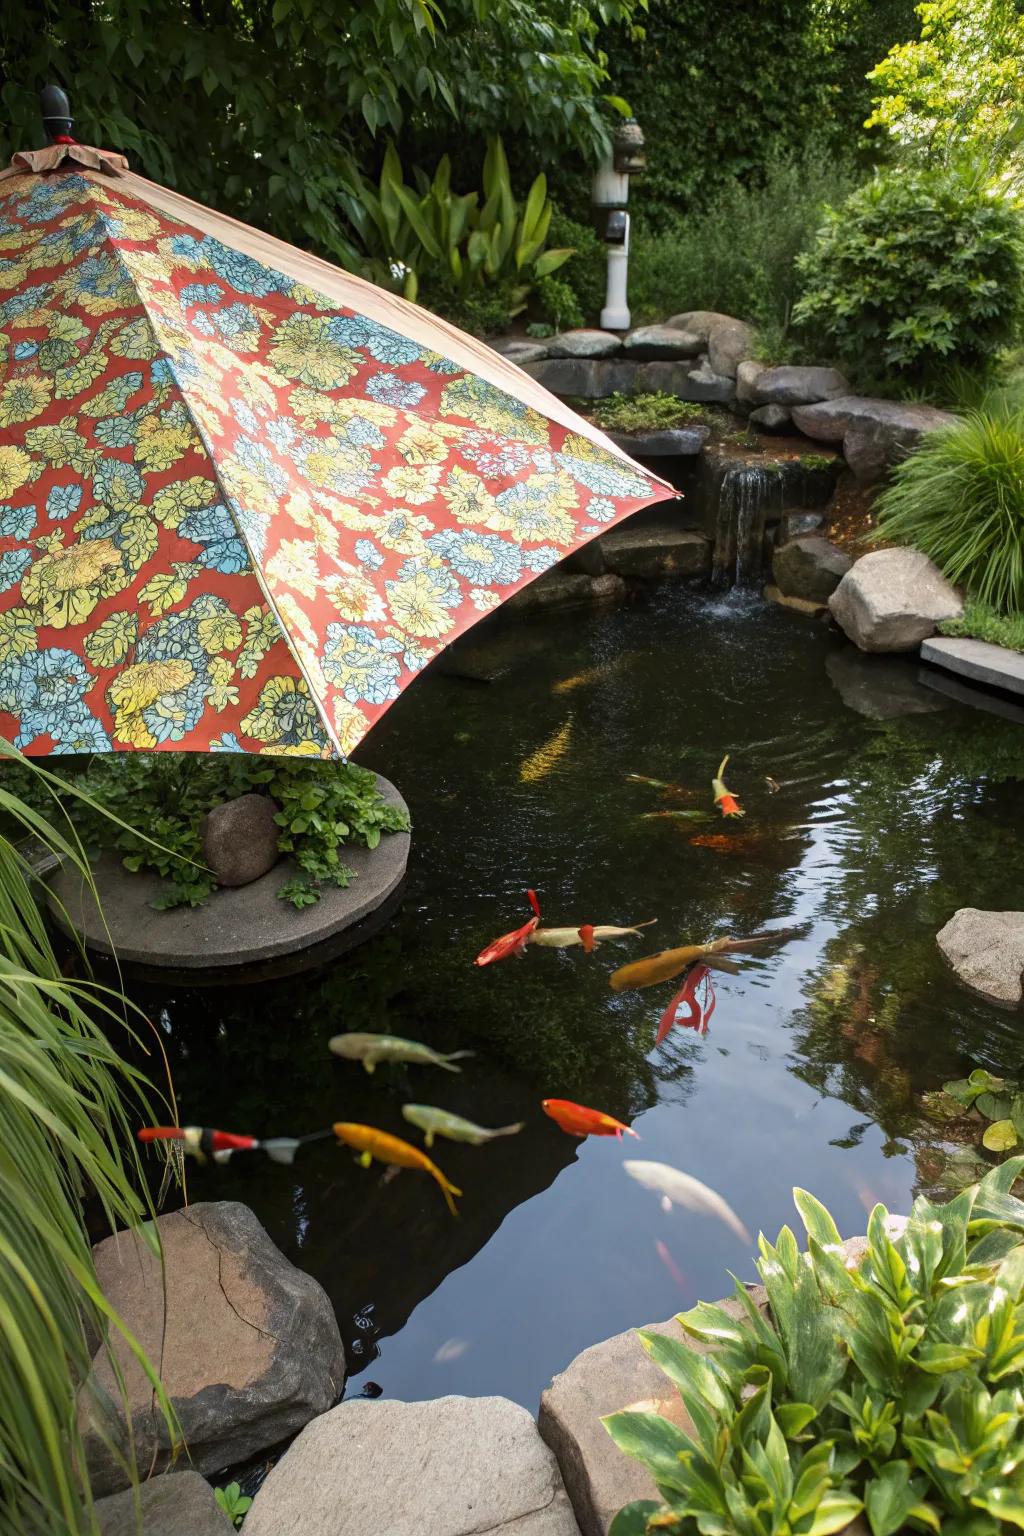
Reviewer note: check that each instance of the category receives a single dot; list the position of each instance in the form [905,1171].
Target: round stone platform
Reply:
[238,935]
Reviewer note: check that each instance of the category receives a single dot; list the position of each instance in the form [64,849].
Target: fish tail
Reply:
[531,897]
[447,1189]
[428,1138]
[721,766]
[281,1149]
[649,924]
[509,1130]
[446,1061]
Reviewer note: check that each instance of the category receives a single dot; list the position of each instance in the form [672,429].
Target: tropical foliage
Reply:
[914,269]
[892,1388]
[67,1102]
[960,499]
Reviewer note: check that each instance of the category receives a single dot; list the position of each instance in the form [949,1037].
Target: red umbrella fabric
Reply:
[245,497]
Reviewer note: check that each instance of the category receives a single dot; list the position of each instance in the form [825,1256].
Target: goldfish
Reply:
[677,1188]
[439,1122]
[369,1049]
[540,763]
[726,802]
[371,1143]
[564,938]
[513,943]
[201,1142]
[578,1120]
[669,962]
[581,679]
[692,1005]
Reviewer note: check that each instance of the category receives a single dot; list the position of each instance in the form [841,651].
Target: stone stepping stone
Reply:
[993,665]
[656,550]
[456,1466]
[662,341]
[986,950]
[177,1504]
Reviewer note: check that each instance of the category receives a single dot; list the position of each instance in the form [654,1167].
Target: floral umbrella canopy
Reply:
[245,497]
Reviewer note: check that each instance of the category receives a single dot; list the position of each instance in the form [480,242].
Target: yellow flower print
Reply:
[140,686]
[250,490]
[15,469]
[285,714]
[209,409]
[484,600]
[132,223]
[136,340]
[221,692]
[300,749]
[295,564]
[342,513]
[490,408]
[416,484]
[66,328]
[311,407]
[98,284]
[426,444]
[77,376]
[302,348]
[350,725]
[66,584]
[417,607]
[402,531]
[171,504]
[60,445]
[161,444]
[21,399]
[14,273]
[332,463]
[469,500]
[354,596]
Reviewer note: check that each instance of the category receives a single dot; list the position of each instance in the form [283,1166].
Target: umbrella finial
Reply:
[56,111]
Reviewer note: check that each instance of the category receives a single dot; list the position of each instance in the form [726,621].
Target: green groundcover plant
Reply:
[960,499]
[981,621]
[150,806]
[891,1390]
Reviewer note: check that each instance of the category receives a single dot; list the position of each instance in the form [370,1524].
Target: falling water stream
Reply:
[747,494]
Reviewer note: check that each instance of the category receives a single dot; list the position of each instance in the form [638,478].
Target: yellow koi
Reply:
[540,763]
[371,1143]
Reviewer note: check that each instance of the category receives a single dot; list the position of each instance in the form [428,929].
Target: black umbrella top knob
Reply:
[56,112]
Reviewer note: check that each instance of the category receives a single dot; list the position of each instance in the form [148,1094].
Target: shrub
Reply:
[916,269]
[587,273]
[557,302]
[960,499]
[894,1387]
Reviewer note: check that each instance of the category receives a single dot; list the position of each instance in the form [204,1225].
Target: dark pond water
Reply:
[817,1054]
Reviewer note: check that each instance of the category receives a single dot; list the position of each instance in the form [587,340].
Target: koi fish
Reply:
[513,943]
[540,763]
[675,816]
[721,842]
[773,784]
[692,1006]
[588,675]
[201,1142]
[565,938]
[439,1122]
[726,802]
[371,1143]
[667,788]
[677,1188]
[369,1049]
[577,1120]
[671,1265]
[670,962]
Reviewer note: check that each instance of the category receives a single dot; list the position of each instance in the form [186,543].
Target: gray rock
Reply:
[728,346]
[809,567]
[654,551]
[793,524]
[519,351]
[569,376]
[240,839]
[176,1504]
[747,375]
[588,559]
[668,443]
[247,1345]
[701,384]
[234,930]
[947,686]
[559,588]
[993,665]
[702,322]
[771,418]
[986,950]
[879,687]
[829,420]
[792,385]
[584,343]
[661,341]
[893,599]
[457,1466]
[869,450]
[797,604]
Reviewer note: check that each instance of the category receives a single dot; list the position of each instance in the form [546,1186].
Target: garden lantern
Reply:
[610,196]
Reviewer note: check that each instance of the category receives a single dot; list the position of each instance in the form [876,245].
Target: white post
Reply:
[615,315]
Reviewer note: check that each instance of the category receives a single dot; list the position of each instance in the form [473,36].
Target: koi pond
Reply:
[894,806]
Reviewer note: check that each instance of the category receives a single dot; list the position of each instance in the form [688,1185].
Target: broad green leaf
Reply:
[551,261]
[535,201]
[1000,1136]
[793,1418]
[414,213]
[631,1519]
[1006,1503]
[653,1440]
[889,1498]
[816,1219]
[691,1373]
[834,1513]
[994,1106]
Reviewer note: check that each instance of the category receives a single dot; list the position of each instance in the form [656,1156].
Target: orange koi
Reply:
[670,962]
[371,1143]
[578,1120]
[726,802]
[720,842]
[692,1005]
[511,943]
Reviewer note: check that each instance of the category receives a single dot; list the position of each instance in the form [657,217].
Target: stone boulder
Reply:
[893,599]
[584,343]
[663,443]
[247,1345]
[792,385]
[661,341]
[704,384]
[793,524]
[456,1466]
[701,322]
[569,376]
[728,346]
[240,839]
[809,567]
[875,434]
[986,950]
[519,349]
[559,588]
[654,551]
[177,1504]
[747,375]
[771,418]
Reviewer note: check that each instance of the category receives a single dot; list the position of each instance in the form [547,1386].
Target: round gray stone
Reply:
[240,839]
[728,346]
[810,567]
[666,443]
[986,950]
[234,930]
[584,343]
[796,385]
[893,599]
[174,1504]
[771,418]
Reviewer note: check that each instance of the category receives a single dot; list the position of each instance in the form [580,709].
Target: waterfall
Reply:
[746,494]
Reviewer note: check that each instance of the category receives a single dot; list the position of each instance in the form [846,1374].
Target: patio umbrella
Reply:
[244,496]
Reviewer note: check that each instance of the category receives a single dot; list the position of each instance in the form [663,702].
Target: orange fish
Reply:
[726,802]
[670,962]
[578,1120]
[511,943]
[371,1143]
[692,1005]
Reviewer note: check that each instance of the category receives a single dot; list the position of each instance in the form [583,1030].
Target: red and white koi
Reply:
[692,1006]
[201,1142]
[512,943]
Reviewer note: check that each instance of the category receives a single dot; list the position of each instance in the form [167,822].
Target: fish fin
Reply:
[531,896]
[666,1203]
[721,964]
[281,1149]
[223,1155]
[509,1130]
[428,1138]
[369,1066]
[448,1189]
[446,1061]
[630,1132]
[649,924]
[586,936]
[364,1159]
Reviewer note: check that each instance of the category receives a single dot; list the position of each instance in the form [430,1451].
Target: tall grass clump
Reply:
[960,500]
[66,1099]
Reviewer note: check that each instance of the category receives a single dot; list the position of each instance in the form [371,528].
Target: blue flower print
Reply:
[244,273]
[257,458]
[200,293]
[367,554]
[245,417]
[282,434]
[445,588]
[117,484]
[542,558]
[362,664]
[600,509]
[235,319]
[499,463]
[482,559]
[17,522]
[382,344]
[13,564]
[202,323]
[117,431]
[162,372]
[45,692]
[365,434]
[25,299]
[215,529]
[229,742]
[606,474]
[62,501]
[25,349]
[50,197]
[252,525]
[389,389]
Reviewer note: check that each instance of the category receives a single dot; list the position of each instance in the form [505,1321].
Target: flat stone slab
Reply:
[584,343]
[661,341]
[977,660]
[596,378]
[797,604]
[986,950]
[176,1504]
[518,350]
[247,1345]
[667,443]
[235,928]
[829,420]
[456,1466]
[559,588]
[795,385]
[653,551]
